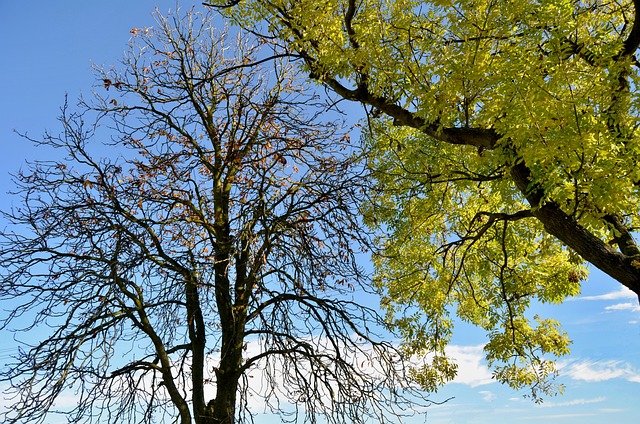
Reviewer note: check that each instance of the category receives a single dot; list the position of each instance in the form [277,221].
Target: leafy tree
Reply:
[208,260]
[504,140]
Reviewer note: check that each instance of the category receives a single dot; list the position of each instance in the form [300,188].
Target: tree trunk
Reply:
[221,410]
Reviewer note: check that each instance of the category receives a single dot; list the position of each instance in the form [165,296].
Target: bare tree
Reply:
[209,258]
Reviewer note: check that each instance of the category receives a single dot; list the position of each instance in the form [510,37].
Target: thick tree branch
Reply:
[624,268]
[478,137]
[633,39]
[623,237]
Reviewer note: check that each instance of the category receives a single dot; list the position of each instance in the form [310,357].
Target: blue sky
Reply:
[48,50]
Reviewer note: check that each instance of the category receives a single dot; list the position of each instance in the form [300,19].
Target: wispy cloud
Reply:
[634,378]
[488,396]
[594,371]
[572,402]
[556,417]
[627,306]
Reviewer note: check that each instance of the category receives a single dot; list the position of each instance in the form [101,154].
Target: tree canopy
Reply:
[504,142]
[194,248]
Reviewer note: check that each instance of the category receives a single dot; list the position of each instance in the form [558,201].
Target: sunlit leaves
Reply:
[447,250]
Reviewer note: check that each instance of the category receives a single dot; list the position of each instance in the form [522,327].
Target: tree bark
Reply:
[624,268]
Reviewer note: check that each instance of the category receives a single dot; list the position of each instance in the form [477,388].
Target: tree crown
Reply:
[504,144]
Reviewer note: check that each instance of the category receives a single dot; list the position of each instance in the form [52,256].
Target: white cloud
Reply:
[621,293]
[487,396]
[594,371]
[627,306]
[267,383]
[471,369]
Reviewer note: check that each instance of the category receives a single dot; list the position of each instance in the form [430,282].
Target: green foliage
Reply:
[445,250]
[504,145]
